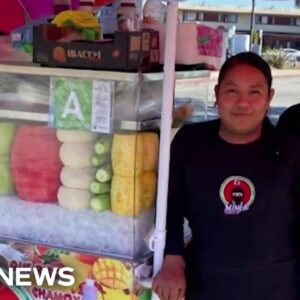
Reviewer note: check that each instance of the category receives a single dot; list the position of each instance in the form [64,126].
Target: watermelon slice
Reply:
[35,163]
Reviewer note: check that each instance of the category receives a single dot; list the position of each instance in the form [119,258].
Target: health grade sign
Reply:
[81,104]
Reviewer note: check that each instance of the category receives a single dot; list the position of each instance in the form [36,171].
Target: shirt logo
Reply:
[237,193]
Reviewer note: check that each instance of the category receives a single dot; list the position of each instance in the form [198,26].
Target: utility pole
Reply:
[252,23]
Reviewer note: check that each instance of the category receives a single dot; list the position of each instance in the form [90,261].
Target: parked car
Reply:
[293,54]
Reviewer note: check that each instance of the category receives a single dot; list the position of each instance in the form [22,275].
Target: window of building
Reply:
[297,21]
[200,16]
[278,20]
[264,20]
[210,17]
[229,18]
[190,16]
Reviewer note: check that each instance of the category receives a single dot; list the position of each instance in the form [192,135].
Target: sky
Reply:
[259,3]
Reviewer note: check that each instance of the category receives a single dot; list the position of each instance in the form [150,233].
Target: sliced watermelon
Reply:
[35,163]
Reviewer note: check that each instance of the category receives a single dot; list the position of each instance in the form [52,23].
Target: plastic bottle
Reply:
[127,16]
[153,12]
[89,291]
[86,5]
[108,18]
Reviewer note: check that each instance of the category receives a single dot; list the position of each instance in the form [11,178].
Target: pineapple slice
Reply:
[149,182]
[130,196]
[127,154]
[126,196]
[150,147]
[134,153]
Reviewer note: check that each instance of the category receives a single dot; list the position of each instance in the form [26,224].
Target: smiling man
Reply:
[239,188]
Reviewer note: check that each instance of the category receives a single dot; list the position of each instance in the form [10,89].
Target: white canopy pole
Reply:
[165,137]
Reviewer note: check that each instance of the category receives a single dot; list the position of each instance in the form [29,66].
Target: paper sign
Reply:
[81,104]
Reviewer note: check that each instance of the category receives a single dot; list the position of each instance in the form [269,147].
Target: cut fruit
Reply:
[6,185]
[76,155]
[4,159]
[133,154]
[74,199]
[151,147]
[127,154]
[126,196]
[7,132]
[132,195]
[76,136]
[77,178]
[35,163]
[149,183]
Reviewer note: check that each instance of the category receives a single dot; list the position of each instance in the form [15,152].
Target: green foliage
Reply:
[276,58]
[255,37]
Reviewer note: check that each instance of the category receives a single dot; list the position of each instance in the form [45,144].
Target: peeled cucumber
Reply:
[99,187]
[100,203]
[103,145]
[100,160]
[104,174]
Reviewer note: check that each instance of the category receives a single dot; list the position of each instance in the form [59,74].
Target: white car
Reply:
[293,54]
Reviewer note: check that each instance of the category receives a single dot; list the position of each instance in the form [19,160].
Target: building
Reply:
[281,27]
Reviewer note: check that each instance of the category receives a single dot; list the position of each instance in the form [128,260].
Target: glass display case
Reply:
[78,170]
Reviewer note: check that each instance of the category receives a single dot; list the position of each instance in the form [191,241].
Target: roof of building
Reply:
[240,9]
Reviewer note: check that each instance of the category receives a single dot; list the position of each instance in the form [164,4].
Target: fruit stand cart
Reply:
[84,159]
[79,153]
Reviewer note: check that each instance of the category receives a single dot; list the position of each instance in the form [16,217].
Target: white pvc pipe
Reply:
[165,137]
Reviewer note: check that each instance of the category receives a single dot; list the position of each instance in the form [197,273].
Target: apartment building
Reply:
[281,27]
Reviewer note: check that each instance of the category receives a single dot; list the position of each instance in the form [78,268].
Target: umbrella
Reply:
[38,9]
[15,13]
[11,15]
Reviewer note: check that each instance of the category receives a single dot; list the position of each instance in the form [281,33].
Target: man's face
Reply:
[243,99]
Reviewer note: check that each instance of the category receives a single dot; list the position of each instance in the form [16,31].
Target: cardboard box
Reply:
[127,51]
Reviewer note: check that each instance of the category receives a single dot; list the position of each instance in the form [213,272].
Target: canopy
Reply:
[13,12]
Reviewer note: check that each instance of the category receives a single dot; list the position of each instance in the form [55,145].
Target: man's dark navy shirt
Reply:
[241,201]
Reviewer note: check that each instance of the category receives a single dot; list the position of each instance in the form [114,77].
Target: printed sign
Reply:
[81,104]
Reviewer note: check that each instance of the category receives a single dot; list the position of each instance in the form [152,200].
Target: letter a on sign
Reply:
[72,107]
[71,103]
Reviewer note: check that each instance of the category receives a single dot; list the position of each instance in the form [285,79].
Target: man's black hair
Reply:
[247,58]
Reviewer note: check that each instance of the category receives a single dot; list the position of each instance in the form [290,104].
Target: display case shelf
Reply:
[26,103]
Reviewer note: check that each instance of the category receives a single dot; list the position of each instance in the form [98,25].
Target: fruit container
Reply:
[78,170]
